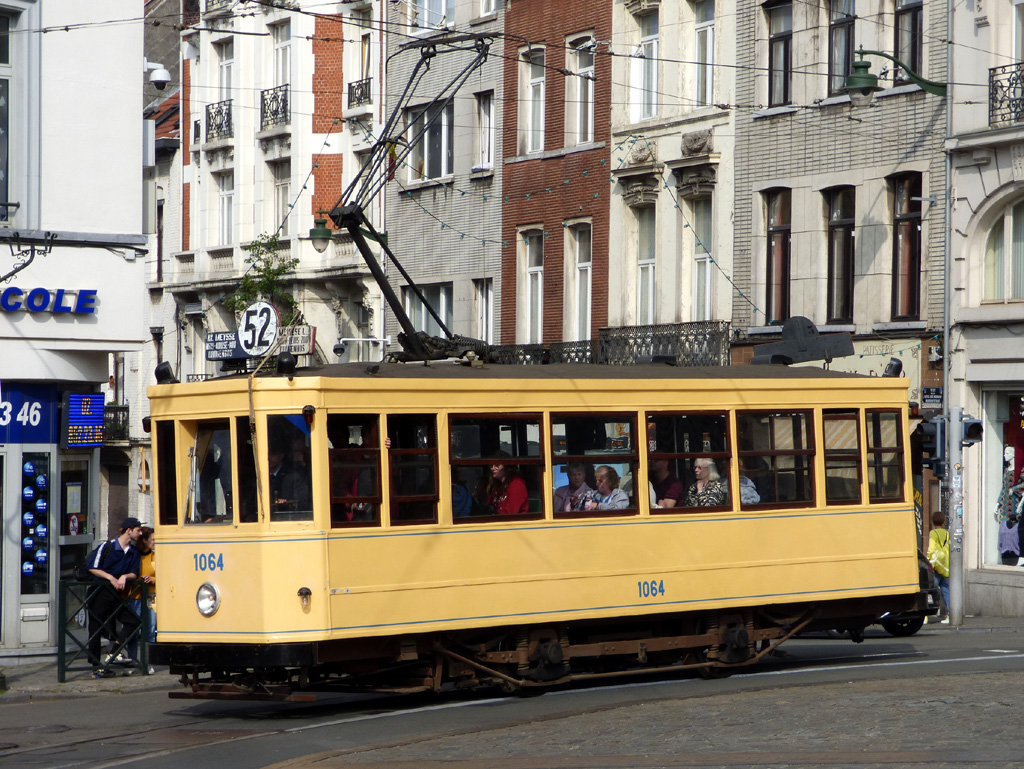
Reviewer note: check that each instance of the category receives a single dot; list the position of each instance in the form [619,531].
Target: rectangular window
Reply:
[245,460]
[488,7]
[282,34]
[646,252]
[499,460]
[225,66]
[777,451]
[365,46]
[704,75]
[354,454]
[167,472]
[289,469]
[885,456]
[485,131]
[646,66]
[906,260]
[534,101]
[841,218]
[413,459]
[908,37]
[483,290]
[439,296]
[702,263]
[842,457]
[840,44]
[282,173]
[535,286]
[226,192]
[780,53]
[595,461]
[779,232]
[433,137]
[581,241]
[208,500]
[1006,236]
[582,89]
[432,14]
[688,460]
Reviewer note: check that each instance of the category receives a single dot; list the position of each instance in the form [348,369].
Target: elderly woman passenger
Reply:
[609,496]
[709,490]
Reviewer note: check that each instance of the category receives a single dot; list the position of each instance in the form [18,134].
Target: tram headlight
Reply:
[208,599]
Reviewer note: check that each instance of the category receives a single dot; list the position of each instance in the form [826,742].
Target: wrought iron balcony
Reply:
[360,92]
[704,343]
[218,121]
[1006,95]
[115,423]
[274,108]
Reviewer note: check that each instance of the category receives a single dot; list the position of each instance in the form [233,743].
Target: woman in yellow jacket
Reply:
[938,556]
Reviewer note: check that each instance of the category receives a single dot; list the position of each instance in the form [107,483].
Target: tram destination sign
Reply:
[224,345]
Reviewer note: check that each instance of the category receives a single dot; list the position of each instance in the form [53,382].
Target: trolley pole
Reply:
[955,515]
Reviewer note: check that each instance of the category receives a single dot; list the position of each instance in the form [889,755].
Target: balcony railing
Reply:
[215,6]
[274,107]
[218,121]
[360,92]
[115,423]
[705,343]
[1006,95]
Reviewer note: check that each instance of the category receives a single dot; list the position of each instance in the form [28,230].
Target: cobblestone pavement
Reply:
[938,721]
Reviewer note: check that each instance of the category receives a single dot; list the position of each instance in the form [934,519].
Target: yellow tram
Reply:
[338,527]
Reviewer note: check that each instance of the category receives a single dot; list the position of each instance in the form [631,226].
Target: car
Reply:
[929,602]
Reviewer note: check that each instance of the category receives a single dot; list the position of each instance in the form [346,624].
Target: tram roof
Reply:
[554,371]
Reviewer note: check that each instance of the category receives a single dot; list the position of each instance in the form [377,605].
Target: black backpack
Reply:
[97,559]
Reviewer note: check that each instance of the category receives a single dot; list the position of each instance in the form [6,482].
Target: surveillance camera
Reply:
[160,78]
[339,349]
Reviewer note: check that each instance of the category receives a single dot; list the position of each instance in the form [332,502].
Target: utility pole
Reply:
[955,515]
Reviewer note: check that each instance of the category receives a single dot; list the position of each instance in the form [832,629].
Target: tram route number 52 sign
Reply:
[257,330]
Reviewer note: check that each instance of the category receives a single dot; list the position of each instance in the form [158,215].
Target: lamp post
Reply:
[861,86]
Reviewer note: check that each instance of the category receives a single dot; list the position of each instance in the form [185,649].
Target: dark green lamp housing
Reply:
[320,235]
[861,84]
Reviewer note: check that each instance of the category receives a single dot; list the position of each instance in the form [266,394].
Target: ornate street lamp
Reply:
[320,235]
[861,84]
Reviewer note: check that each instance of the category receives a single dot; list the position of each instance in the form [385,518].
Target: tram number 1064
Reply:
[650,588]
[208,561]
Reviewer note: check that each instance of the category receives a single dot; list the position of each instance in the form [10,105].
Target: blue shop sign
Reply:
[28,414]
[80,301]
[84,417]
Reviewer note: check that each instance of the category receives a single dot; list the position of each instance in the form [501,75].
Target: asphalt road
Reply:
[941,698]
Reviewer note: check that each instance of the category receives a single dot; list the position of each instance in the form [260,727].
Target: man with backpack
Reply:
[938,557]
[114,565]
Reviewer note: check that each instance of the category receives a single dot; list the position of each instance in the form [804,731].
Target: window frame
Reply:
[358,455]
[841,29]
[483,294]
[539,461]
[581,91]
[690,458]
[906,245]
[418,313]
[281,35]
[583,277]
[421,9]
[703,261]
[809,453]
[1003,278]
[534,71]
[872,452]
[534,282]
[281,172]
[225,208]
[778,261]
[647,55]
[646,265]
[840,225]
[704,45]
[780,43]
[225,68]
[630,457]
[395,500]
[485,131]
[841,456]
[908,34]
[421,135]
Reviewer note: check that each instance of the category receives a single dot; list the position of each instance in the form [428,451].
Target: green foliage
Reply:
[265,279]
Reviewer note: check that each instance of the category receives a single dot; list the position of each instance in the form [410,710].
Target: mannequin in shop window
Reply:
[1011,499]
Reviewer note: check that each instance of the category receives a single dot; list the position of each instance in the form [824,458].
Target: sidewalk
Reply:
[39,681]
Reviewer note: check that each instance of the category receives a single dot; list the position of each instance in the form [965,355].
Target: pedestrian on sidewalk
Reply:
[147,573]
[938,557]
[113,564]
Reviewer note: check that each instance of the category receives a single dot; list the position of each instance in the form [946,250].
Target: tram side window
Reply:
[498,460]
[776,451]
[585,449]
[209,483]
[167,473]
[288,465]
[354,452]
[245,459]
[842,457]
[885,456]
[413,460]
[688,457]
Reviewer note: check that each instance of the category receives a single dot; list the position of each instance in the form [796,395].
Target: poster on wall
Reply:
[74,520]
[35,523]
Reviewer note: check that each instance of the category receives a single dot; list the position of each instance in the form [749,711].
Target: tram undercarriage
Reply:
[526,659]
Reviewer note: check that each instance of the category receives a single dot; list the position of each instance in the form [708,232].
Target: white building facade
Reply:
[72,288]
